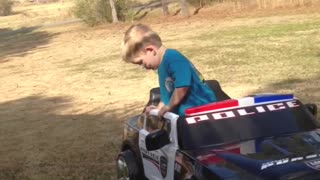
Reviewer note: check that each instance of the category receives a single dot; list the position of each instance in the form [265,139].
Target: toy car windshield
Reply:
[234,121]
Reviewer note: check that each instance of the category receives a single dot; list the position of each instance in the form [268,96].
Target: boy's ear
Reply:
[150,49]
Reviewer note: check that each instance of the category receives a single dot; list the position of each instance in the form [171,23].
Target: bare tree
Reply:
[114,12]
[184,8]
[165,8]
[262,4]
[202,3]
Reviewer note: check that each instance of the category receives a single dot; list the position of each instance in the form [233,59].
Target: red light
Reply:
[212,106]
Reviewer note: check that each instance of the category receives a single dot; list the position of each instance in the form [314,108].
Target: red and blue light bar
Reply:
[235,103]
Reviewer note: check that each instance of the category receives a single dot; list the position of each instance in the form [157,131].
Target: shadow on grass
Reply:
[39,142]
[19,42]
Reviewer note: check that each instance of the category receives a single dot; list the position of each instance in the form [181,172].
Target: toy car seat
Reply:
[216,88]
[154,97]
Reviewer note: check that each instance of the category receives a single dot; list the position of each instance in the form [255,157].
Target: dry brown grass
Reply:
[65,92]
[27,15]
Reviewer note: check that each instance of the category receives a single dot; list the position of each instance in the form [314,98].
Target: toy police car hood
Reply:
[286,157]
[253,137]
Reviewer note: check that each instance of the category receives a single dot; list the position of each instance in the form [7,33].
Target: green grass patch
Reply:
[103,67]
[264,31]
[271,52]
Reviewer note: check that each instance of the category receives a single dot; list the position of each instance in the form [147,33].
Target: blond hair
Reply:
[136,38]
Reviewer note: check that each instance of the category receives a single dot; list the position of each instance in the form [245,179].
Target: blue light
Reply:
[272,97]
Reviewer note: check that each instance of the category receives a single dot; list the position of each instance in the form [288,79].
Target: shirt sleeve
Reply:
[180,70]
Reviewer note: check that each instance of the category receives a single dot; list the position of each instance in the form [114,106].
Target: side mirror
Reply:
[157,139]
[313,109]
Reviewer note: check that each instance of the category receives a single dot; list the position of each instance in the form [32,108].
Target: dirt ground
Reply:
[65,94]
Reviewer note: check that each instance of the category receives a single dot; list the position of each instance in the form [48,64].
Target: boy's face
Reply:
[148,59]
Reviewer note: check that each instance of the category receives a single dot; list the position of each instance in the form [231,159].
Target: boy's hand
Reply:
[163,110]
[149,108]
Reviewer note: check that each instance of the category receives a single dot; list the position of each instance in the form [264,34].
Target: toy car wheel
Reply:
[127,166]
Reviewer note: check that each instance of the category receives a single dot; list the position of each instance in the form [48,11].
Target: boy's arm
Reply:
[176,98]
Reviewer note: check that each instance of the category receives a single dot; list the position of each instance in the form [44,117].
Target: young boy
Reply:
[181,85]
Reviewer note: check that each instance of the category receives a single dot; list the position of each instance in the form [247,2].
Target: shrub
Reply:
[94,12]
[122,7]
[5,7]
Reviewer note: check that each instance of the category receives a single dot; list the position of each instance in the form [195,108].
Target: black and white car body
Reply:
[269,136]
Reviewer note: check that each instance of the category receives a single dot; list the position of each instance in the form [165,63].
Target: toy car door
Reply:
[157,164]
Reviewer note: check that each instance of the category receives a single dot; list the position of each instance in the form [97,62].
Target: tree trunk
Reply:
[165,8]
[202,3]
[114,12]
[184,8]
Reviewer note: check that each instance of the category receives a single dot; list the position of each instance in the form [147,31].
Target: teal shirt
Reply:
[176,71]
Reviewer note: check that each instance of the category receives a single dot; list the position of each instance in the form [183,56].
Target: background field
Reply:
[65,93]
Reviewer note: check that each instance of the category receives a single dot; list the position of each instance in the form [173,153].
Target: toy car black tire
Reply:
[127,166]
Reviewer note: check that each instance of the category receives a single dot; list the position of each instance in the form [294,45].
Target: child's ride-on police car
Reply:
[270,136]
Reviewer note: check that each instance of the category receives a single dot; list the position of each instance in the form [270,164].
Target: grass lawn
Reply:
[27,14]
[65,93]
